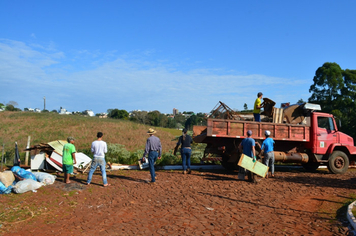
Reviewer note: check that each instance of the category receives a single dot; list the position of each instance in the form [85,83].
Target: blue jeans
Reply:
[257,117]
[152,157]
[186,153]
[98,161]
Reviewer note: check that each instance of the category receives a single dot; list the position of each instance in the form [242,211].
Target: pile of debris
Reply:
[19,180]
[48,156]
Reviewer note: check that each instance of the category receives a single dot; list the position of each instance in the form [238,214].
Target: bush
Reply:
[168,159]
[86,151]
[135,156]
[117,153]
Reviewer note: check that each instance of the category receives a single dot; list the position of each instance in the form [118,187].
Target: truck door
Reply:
[326,134]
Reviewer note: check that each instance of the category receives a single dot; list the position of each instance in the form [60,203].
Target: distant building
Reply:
[37,110]
[89,112]
[103,115]
[63,111]
[175,111]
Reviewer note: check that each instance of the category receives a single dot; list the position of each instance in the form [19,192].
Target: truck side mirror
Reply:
[339,125]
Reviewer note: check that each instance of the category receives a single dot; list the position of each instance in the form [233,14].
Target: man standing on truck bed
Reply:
[257,107]
[247,146]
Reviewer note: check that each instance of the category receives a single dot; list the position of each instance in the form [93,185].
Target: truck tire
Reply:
[311,166]
[227,165]
[338,162]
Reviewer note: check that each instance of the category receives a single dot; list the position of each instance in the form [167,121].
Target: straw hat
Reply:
[151,131]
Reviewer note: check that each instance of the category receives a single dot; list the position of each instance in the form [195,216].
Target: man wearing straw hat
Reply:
[153,150]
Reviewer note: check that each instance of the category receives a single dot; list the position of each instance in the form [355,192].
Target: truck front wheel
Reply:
[338,162]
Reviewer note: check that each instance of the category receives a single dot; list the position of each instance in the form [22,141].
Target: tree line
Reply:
[155,118]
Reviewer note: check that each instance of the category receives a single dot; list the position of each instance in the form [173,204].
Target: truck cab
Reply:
[329,145]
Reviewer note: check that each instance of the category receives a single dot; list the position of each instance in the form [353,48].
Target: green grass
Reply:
[126,140]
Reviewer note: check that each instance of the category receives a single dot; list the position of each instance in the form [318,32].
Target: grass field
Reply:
[46,127]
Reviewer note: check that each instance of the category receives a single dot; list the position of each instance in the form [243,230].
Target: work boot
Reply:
[189,171]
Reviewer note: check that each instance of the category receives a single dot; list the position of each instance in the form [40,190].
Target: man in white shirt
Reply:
[98,148]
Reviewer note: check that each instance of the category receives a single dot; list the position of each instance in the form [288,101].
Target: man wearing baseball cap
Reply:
[247,146]
[257,107]
[267,147]
[68,159]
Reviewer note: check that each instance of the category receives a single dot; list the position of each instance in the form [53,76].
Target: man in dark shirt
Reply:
[185,151]
[153,150]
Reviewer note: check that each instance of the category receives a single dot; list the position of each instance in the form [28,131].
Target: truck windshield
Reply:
[326,123]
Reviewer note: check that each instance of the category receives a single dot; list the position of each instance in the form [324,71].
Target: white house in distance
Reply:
[90,112]
[63,111]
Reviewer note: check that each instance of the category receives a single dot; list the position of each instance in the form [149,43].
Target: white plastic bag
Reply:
[44,178]
[26,185]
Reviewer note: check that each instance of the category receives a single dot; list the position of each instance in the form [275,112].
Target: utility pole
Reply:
[44,98]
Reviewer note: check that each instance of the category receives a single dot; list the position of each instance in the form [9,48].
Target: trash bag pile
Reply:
[19,180]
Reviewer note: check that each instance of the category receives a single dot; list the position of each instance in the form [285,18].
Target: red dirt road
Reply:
[203,203]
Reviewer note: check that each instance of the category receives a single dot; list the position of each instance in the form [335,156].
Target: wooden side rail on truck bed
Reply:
[238,129]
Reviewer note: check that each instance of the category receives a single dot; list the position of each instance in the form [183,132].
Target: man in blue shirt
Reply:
[247,146]
[153,150]
[267,147]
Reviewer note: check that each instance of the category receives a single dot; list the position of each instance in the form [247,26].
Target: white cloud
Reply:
[125,83]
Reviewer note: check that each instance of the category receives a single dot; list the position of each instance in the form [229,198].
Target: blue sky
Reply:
[160,55]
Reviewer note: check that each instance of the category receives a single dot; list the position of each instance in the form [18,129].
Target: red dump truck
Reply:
[302,135]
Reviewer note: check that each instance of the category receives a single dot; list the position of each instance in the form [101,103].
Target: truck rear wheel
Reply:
[227,165]
[338,162]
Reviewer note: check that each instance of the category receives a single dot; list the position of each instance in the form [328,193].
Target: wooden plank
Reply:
[236,129]
[255,167]
[278,115]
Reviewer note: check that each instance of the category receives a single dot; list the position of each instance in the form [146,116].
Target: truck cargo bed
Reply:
[238,129]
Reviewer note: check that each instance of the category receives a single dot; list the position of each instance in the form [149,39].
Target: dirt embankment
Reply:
[203,203]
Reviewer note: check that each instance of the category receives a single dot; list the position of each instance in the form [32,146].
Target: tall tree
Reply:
[335,90]
[15,104]
[10,107]
[139,116]
[245,107]
[327,87]
[153,118]
[180,118]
